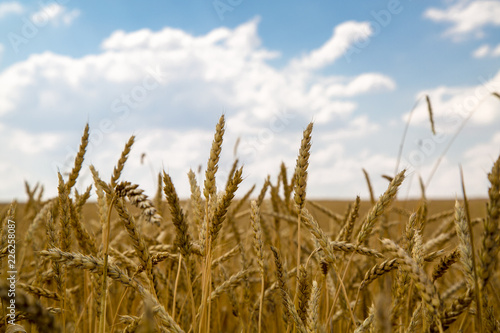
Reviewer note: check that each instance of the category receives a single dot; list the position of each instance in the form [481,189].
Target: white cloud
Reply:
[359,127]
[486,51]
[11,7]
[55,14]
[169,87]
[2,48]
[482,51]
[467,18]
[225,68]
[478,161]
[365,83]
[343,37]
[485,152]
[452,105]
[496,51]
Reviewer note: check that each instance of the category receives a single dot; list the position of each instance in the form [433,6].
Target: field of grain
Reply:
[269,260]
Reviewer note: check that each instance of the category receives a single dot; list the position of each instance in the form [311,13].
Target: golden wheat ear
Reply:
[431,115]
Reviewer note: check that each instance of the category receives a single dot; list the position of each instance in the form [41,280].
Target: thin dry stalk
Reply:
[334,216]
[370,188]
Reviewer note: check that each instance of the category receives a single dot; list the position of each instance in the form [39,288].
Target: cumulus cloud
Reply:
[343,37]
[453,105]
[55,14]
[463,116]
[478,161]
[152,72]
[169,87]
[10,7]
[485,153]
[486,51]
[467,18]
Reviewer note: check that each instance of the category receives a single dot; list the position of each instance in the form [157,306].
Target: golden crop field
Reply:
[268,260]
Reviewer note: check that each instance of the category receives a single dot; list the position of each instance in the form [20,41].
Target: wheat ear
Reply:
[431,116]
[78,160]
[301,182]
[181,227]
[209,191]
[33,310]
[259,250]
[117,170]
[379,208]
[424,285]
[444,264]
[489,250]
[140,200]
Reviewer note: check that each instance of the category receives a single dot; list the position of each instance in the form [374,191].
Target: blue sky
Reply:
[165,72]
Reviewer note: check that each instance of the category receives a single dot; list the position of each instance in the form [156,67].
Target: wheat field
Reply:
[268,260]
